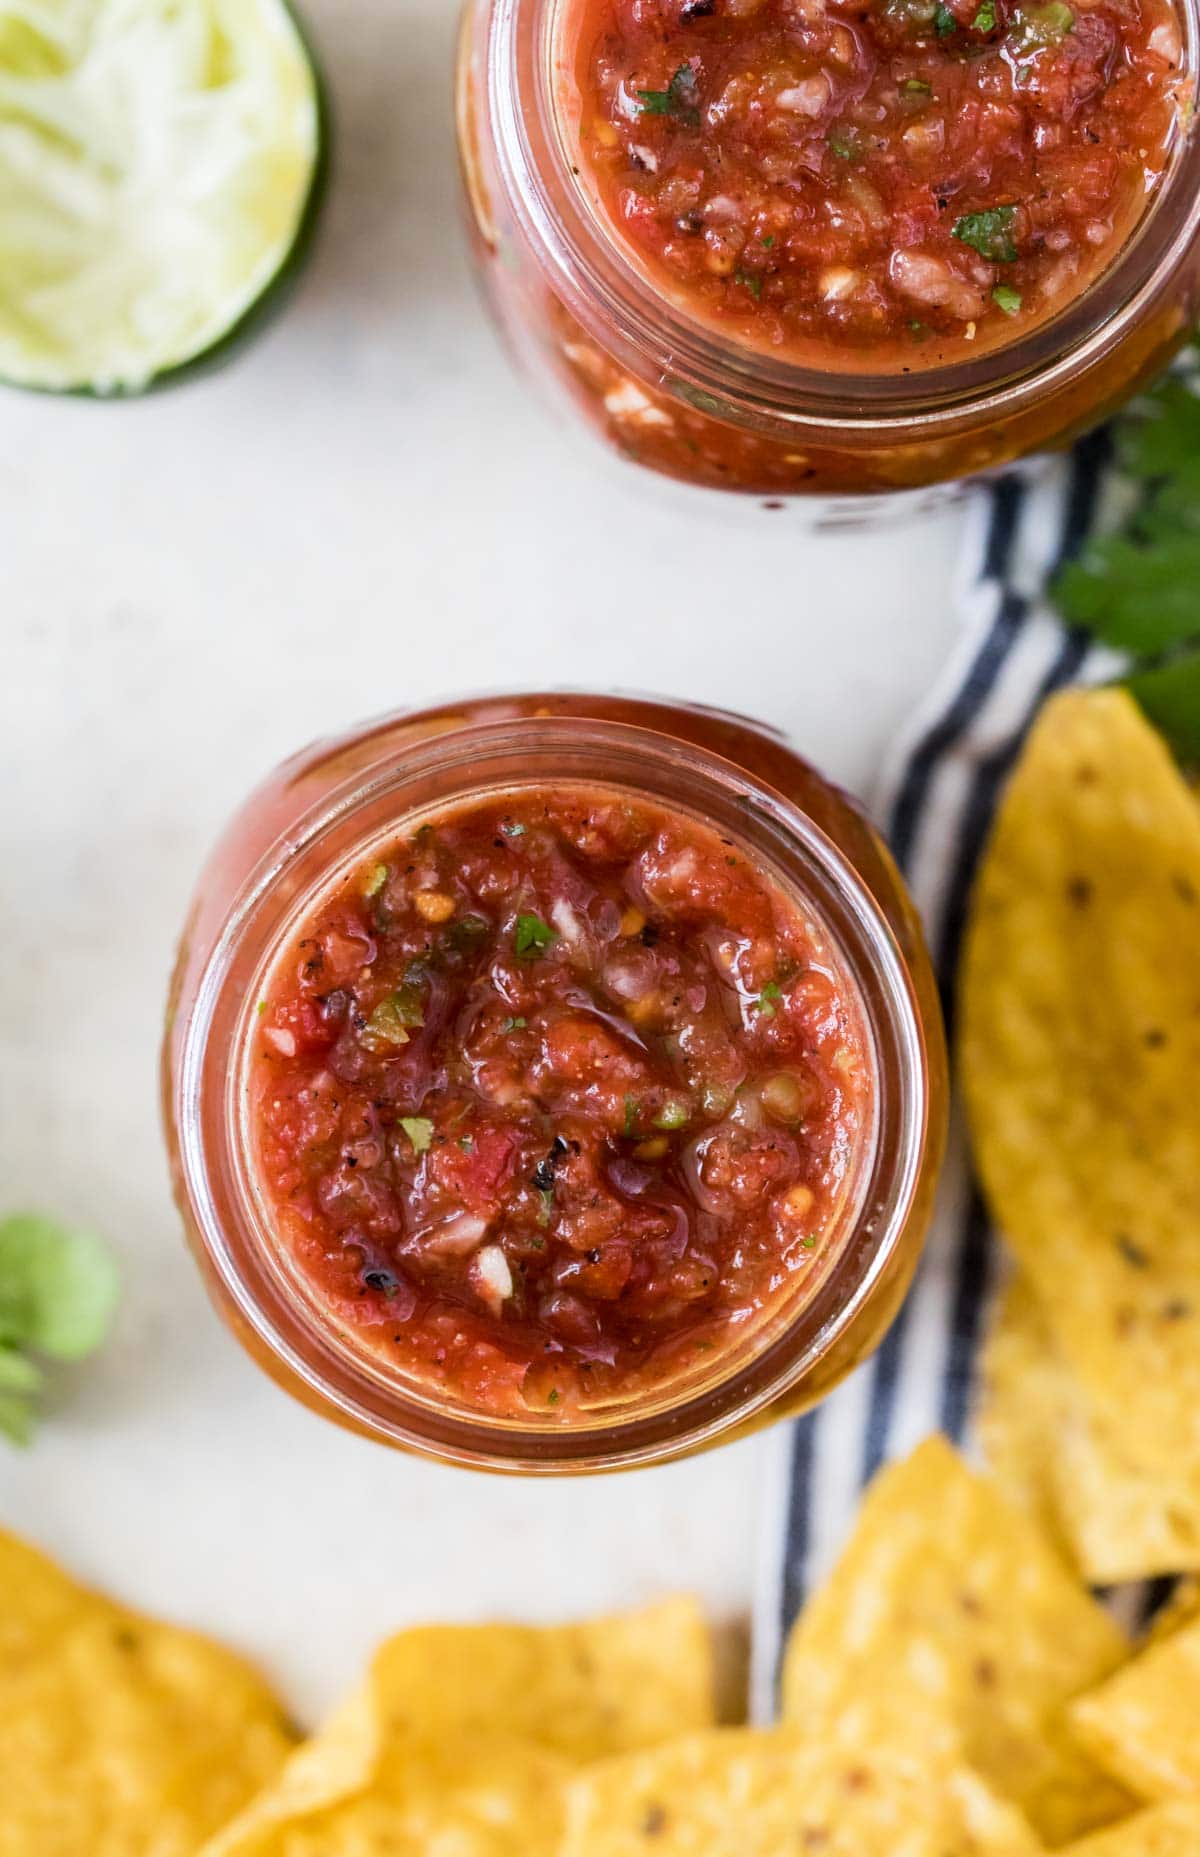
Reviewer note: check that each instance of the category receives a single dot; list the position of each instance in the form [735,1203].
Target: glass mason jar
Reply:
[671,392]
[316,819]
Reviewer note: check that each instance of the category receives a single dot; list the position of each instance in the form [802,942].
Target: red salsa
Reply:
[554,1096]
[877,181]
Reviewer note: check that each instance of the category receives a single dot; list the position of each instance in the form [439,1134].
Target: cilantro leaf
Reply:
[681,98]
[749,281]
[58,1287]
[419,1130]
[533,936]
[843,144]
[764,1005]
[58,1290]
[1007,299]
[944,22]
[989,233]
[1137,589]
[985,18]
[916,87]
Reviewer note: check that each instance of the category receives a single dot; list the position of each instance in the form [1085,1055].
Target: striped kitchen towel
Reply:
[935,807]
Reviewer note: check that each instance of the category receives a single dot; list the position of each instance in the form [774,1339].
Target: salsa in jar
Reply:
[882,184]
[554,1082]
[556,1093]
[835,247]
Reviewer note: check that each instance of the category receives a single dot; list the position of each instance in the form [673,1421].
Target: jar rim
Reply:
[206,1105]
[616,301]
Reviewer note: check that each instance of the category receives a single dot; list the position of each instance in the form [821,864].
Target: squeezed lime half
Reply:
[160,166]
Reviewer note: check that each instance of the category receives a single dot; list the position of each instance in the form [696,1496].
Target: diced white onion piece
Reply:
[807,98]
[455,1236]
[567,922]
[838,283]
[926,279]
[1164,41]
[283,1041]
[493,1278]
[629,402]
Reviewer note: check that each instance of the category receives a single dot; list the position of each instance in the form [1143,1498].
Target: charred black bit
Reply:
[651,935]
[1154,1039]
[697,9]
[543,1173]
[126,1639]
[381,1280]
[1132,1252]
[654,1821]
[1177,1310]
[691,223]
[592,1256]
[1079,892]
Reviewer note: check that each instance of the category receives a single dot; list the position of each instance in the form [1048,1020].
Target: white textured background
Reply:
[365,511]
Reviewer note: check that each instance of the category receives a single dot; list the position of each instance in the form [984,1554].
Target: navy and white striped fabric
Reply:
[935,807]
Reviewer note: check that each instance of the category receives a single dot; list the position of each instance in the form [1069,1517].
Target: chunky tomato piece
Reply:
[552,1094]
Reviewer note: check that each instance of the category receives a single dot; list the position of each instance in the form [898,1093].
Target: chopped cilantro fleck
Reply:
[419,1130]
[767,240]
[464,933]
[632,1107]
[749,281]
[546,1209]
[765,1003]
[916,87]
[262,1007]
[681,98]
[673,1114]
[944,22]
[377,876]
[989,233]
[533,936]
[513,829]
[467,1144]
[514,1025]
[985,18]
[552,1396]
[1007,299]
[843,144]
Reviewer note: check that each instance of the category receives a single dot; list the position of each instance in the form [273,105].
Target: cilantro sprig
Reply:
[58,1290]
[1137,588]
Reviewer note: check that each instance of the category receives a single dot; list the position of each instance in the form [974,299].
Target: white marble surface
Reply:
[365,511]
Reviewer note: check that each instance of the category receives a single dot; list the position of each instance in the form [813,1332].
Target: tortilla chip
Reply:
[465,1797]
[583,1690]
[490,1700]
[742,1792]
[118,1735]
[1080,1050]
[1143,1725]
[951,1620]
[1166,1831]
[1047,1445]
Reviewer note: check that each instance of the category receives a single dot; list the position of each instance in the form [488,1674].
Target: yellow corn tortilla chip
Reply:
[583,1690]
[119,1736]
[950,1621]
[1143,1724]
[1079,1055]
[1165,1831]
[742,1792]
[469,1796]
[560,1694]
[1045,1443]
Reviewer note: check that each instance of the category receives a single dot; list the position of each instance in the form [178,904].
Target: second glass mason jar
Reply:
[678,394]
[302,843]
